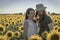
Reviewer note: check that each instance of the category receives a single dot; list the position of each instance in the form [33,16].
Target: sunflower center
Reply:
[20,20]
[9,34]
[55,24]
[17,17]
[6,24]
[55,20]
[17,27]
[17,21]
[0,39]
[22,28]
[35,39]
[16,34]
[58,30]
[12,22]
[45,34]
[55,37]
[1,29]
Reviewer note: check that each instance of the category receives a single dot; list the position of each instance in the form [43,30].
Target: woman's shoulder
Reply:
[24,22]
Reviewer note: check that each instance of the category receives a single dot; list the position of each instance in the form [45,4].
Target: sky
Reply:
[17,6]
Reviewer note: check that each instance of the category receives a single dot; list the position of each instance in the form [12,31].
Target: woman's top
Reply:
[32,28]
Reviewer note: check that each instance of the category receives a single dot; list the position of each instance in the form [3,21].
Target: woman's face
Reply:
[31,14]
[40,12]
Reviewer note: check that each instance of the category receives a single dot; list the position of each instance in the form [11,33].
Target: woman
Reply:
[45,21]
[29,25]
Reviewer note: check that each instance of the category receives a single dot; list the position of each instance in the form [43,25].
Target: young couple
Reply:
[44,21]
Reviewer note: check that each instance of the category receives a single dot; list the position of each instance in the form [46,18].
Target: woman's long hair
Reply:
[28,12]
[43,15]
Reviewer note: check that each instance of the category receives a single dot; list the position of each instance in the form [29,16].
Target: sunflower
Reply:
[59,31]
[10,34]
[9,22]
[6,24]
[55,21]
[44,34]
[35,37]
[21,29]
[17,27]
[59,23]
[3,37]
[18,17]
[2,28]
[54,35]
[8,19]
[52,16]
[56,27]
[59,18]
[13,22]
[22,18]
[18,20]
[17,34]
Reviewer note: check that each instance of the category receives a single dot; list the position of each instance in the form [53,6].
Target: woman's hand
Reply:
[36,18]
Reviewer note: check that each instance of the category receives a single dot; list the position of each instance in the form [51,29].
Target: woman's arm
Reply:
[50,26]
[50,23]
[26,24]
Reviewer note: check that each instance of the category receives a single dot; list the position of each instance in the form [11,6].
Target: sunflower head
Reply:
[21,29]
[17,27]
[35,37]
[6,24]
[3,37]
[17,34]
[44,34]
[10,34]
[56,27]
[2,28]
[54,37]
[59,30]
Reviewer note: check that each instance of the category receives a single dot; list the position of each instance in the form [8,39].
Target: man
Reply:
[45,22]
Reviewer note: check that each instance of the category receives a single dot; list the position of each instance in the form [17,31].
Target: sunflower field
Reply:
[11,28]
